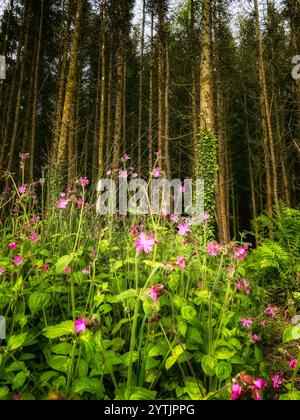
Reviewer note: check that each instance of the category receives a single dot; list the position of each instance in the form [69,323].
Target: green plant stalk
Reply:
[134,330]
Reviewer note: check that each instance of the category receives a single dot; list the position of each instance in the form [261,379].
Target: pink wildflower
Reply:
[260,384]
[158,153]
[45,268]
[157,172]
[183,229]
[181,263]
[68,270]
[236,391]
[35,219]
[174,218]
[80,203]
[241,253]
[13,246]
[255,338]
[145,244]
[84,182]
[17,261]
[33,238]
[153,295]
[293,363]
[213,249]
[22,189]
[1,270]
[271,312]
[126,158]
[109,173]
[135,175]
[276,381]
[164,213]
[246,322]
[62,204]
[80,325]
[86,271]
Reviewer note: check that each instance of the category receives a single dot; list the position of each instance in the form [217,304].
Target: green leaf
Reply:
[46,376]
[209,365]
[63,349]
[4,392]
[19,380]
[188,312]
[59,363]
[142,394]
[237,360]
[63,263]
[119,326]
[223,353]
[128,294]
[291,396]
[14,343]
[194,388]
[158,350]
[91,386]
[176,352]
[57,331]
[224,371]
[38,301]
[291,334]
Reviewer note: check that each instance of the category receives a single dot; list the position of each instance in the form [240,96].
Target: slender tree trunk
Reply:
[35,91]
[151,94]
[109,113]
[70,90]
[167,116]
[140,126]
[265,103]
[103,95]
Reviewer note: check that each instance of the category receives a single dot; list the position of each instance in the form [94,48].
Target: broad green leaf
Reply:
[46,376]
[4,392]
[291,334]
[15,342]
[291,396]
[194,388]
[142,394]
[224,353]
[19,380]
[128,294]
[63,263]
[91,386]
[209,365]
[223,371]
[62,349]
[119,325]
[176,352]
[188,312]
[158,350]
[38,301]
[59,363]
[57,331]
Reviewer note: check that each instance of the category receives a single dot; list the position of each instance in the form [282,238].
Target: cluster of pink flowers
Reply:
[13,246]
[270,311]
[18,260]
[213,249]
[246,322]
[35,219]
[145,243]
[62,203]
[243,285]
[1,270]
[247,384]
[183,229]
[241,253]
[276,380]
[33,238]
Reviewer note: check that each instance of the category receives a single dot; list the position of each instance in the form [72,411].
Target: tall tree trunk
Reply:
[103,95]
[151,94]
[140,126]
[70,91]
[167,115]
[266,113]
[35,91]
